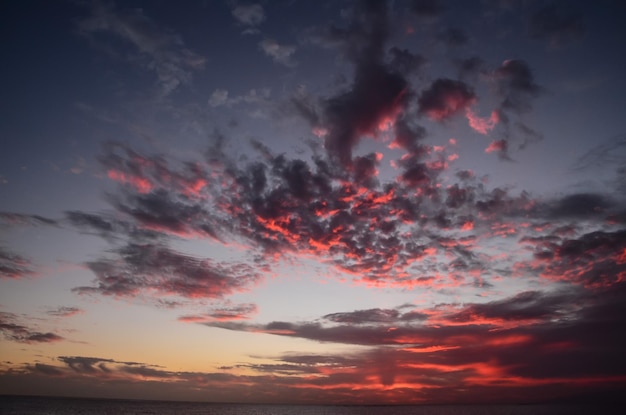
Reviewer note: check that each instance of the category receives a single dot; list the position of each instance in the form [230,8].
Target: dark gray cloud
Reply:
[516,85]
[378,90]
[13,265]
[581,205]
[108,227]
[470,68]
[139,268]
[13,330]
[445,98]
[594,259]
[375,94]
[406,62]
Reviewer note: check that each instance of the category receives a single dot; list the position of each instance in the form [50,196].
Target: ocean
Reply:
[13,405]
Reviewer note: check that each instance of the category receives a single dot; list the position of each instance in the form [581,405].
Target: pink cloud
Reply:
[482,125]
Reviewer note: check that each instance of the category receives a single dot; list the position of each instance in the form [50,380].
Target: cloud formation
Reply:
[515,295]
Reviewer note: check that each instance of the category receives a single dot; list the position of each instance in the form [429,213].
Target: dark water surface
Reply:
[10,405]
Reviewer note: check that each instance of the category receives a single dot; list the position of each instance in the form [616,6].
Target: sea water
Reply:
[11,405]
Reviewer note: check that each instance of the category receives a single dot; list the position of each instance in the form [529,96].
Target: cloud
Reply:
[516,85]
[551,24]
[478,345]
[611,152]
[581,205]
[451,352]
[609,155]
[499,146]
[159,50]
[108,227]
[406,62]
[282,54]
[220,97]
[279,207]
[14,266]
[12,330]
[21,219]
[482,125]
[141,268]
[227,313]
[65,311]
[445,98]
[594,259]
[249,14]
[470,68]
[376,95]
[363,316]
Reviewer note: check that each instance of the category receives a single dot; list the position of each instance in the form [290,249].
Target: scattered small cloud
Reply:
[249,15]
[282,54]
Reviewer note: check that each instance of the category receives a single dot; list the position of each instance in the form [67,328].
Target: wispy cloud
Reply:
[249,15]
[159,50]
[140,268]
[282,54]
[64,311]
[22,219]
[13,330]
[13,265]
[226,313]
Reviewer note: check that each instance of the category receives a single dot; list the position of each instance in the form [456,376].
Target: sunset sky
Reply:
[326,201]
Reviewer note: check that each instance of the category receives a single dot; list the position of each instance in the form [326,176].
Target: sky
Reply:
[299,201]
